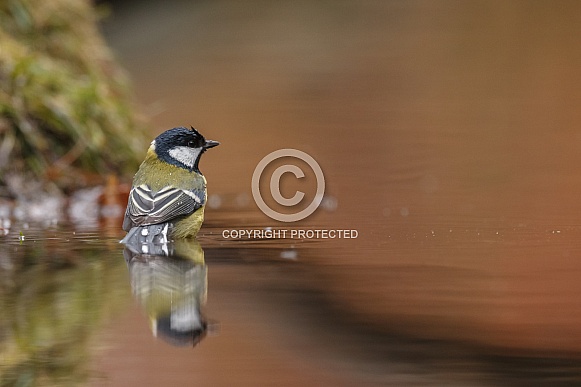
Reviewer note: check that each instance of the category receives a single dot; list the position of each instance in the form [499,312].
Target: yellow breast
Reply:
[189,226]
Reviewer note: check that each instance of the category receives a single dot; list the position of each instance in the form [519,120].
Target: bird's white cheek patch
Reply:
[185,155]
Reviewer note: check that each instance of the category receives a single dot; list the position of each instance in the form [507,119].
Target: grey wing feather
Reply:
[147,207]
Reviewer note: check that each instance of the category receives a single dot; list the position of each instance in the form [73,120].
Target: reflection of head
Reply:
[184,325]
[180,337]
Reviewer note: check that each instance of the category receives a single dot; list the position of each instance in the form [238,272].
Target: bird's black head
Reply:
[182,147]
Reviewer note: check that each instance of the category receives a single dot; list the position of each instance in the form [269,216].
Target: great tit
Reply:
[168,195]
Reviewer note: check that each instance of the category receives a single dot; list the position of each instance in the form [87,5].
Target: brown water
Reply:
[448,133]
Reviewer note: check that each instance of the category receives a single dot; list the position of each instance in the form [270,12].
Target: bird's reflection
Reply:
[170,281]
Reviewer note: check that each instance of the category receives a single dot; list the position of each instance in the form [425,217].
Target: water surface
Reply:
[448,134]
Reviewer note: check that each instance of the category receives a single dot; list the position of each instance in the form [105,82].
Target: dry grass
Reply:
[65,113]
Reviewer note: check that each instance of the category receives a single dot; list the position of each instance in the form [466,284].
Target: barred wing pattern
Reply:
[147,207]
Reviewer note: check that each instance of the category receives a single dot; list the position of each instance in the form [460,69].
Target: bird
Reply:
[168,194]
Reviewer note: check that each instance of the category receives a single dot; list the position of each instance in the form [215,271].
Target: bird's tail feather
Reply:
[153,233]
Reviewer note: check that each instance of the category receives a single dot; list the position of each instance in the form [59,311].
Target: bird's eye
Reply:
[191,144]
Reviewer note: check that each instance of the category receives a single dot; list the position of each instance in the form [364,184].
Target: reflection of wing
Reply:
[147,207]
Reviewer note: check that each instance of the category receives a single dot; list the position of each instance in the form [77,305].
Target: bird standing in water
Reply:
[168,195]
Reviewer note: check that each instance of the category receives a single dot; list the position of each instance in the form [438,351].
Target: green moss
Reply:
[65,106]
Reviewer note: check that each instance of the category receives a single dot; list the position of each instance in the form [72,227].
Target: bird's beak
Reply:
[210,144]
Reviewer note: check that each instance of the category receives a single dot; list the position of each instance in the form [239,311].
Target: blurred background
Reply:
[449,135]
